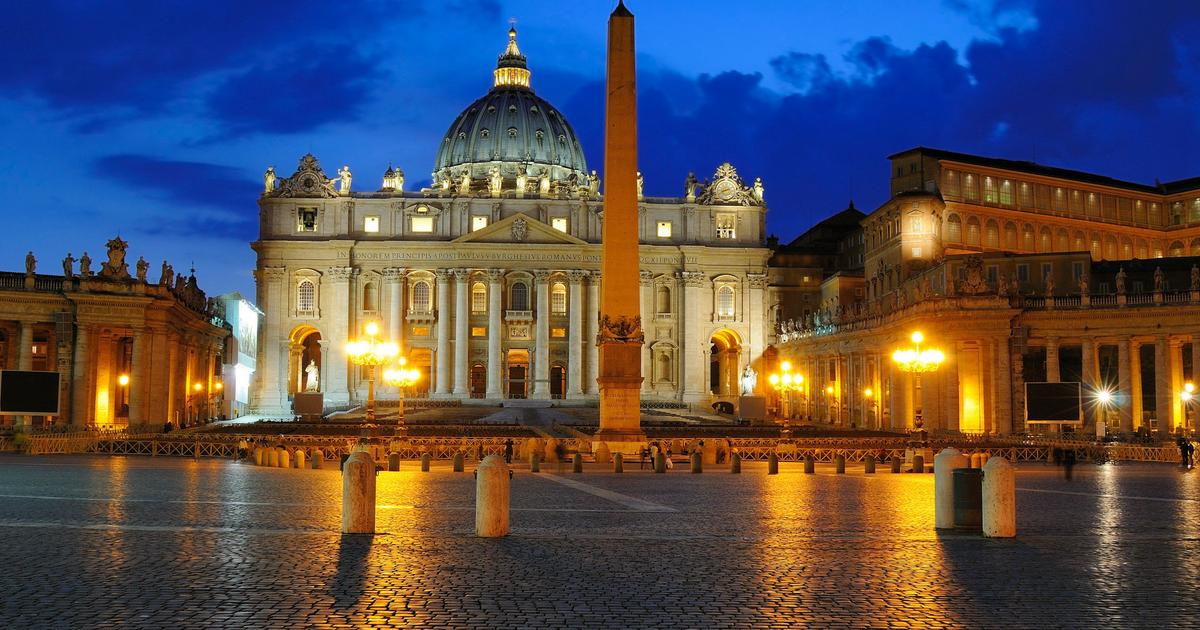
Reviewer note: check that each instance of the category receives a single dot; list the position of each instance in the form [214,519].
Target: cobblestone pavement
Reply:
[94,542]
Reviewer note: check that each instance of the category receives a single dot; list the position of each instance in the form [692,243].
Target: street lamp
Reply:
[918,361]
[371,352]
[1188,395]
[786,381]
[868,406]
[401,378]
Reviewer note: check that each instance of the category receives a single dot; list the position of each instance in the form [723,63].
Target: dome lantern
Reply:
[511,70]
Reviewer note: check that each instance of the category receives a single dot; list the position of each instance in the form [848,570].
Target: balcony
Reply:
[422,315]
[518,316]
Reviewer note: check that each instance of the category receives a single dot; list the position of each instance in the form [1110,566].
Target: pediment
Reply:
[519,228]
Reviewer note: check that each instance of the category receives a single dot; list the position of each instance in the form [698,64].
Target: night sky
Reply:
[155,120]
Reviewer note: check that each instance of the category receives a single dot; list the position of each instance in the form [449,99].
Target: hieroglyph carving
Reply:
[620,329]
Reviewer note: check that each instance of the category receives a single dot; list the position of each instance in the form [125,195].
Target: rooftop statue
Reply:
[344,178]
[30,264]
[69,266]
[142,268]
[1158,280]
[1121,281]
[269,180]
[689,186]
[85,266]
[758,189]
[640,183]
[116,268]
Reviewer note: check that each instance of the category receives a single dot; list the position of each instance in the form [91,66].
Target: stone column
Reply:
[541,337]
[495,375]
[695,367]
[442,359]
[269,386]
[593,350]
[949,385]
[462,333]
[1002,387]
[1123,397]
[1135,383]
[394,277]
[646,308]
[1175,373]
[1090,381]
[337,374]
[139,379]
[1162,384]
[575,335]
[901,408]
[1052,364]
[757,327]
[24,358]
[80,382]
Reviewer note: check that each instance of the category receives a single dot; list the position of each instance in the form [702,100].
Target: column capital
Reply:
[594,277]
[443,275]
[269,274]
[495,276]
[646,277]
[542,276]
[576,276]
[757,280]
[462,275]
[341,274]
[692,278]
[394,274]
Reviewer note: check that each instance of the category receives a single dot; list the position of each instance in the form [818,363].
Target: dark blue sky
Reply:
[156,119]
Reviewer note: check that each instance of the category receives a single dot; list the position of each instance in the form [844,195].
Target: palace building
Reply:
[489,278]
[1018,273]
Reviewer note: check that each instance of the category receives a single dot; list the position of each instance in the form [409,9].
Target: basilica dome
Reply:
[510,129]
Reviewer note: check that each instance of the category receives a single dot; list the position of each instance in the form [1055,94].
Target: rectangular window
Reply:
[423,225]
[478,331]
[558,333]
[1047,269]
[1006,197]
[993,273]
[559,223]
[664,229]
[477,223]
[916,252]
[1077,270]
[726,226]
[989,190]
[1023,273]
[306,220]
[420,331]
[371,224]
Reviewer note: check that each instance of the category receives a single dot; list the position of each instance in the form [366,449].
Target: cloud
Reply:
[203,199]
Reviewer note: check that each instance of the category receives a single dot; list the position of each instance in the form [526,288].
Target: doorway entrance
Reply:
[518,373]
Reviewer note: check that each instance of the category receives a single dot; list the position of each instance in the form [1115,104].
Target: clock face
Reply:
[725,191]
[308,183]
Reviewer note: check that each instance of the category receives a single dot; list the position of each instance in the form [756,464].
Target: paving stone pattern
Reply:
[94,542]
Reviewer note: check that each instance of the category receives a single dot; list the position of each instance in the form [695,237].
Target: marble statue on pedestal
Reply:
[312,377]
[142,268]
[85,266]
[269,180]
[69,266]
[30,264]
[749,381]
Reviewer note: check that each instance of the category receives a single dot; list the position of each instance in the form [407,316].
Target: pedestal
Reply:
[753,409]
[308,404]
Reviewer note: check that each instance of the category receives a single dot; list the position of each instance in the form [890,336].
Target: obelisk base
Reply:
[620,384]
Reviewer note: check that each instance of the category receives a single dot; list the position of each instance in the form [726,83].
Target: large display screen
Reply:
[1054,402]
[28,393]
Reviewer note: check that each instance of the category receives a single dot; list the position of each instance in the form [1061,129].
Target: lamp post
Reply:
[868,406]
[371,352]
[1188,396]
[785,382]
[401,378]
[918,361]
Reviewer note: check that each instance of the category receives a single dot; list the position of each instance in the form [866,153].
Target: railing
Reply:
[518,316]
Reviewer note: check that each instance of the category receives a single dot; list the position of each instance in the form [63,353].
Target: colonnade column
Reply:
[442,384]
[462,332]
[948,378]
[541,361]
[139,383]
[1090,378]
[1162,384]
[495,357]
[1002,388]
[1124,394]
[394,276]
[646,308]
[80,389]
[593,350]
[575,335]
[24,357]
[338,380]
[269,381]
[1175,376]
[1053,374]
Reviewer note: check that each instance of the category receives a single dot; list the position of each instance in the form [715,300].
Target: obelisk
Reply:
[620,334]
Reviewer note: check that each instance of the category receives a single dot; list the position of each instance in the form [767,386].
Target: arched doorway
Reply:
[421,360]
[478,382]
[305,348]
[518,373]
[723,362]
[558,382]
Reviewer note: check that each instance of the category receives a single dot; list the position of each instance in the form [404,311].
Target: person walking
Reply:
[508,451]
[560,454]
[1182,443]
[1068,462]
[642,457]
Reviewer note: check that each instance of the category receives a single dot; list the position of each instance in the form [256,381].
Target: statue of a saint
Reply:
[269,180]
[399,179]
[544,183]
[495,181]
[640,183]
[1002,286]
[1195,278]
[69,266]
[749,381]
[142,268]
[162,278]
[594,184]
[85,266]
[1049,285]
[30,264]
[1121,281]
[344,178]
[758,189]
[689,187]
[1158,280]
[312,377]
[464,187]
[1083,284]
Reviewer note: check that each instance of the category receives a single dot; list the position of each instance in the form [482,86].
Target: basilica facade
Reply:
[489,277]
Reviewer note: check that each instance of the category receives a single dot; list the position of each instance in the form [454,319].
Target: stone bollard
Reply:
[944,464]
[918,463]
[535,462]
[318,459]
[425,462]
[735,463]
[839,464]
[618,463]
[393,462]
[983,459]
[869,464]
[709,452]
[660,462]
[285,458]
[697,462]
[491,497]
[999,499]
[273,457]
[603,454]
[458,462]
[810,465]
[258,456]
[772,463]
[976,461]
[299,459]
[577,463]
[897,464]
[358,494]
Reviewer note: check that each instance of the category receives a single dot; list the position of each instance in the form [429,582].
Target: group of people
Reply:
[1187,452]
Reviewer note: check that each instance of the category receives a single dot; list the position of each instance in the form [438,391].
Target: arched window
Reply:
[1027,240]
[1176,249]
[725,301]
[558,299]
[1062,242]
[518,297]
[1126,248]
[973,231]
[306,294]
[1010,236]
[662,301]
[421,301]
[954,229]
[1045,242]
[991,233]
[370,297]
[1078,244]
[1110,247]
[478,298]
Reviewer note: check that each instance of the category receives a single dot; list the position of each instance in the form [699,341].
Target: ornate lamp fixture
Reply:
[786,381]
[401,378]
[371,352]
[918,361]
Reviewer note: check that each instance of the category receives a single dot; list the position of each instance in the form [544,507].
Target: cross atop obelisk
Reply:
[620,337]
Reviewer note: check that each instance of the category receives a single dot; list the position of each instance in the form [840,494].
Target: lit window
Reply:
[559,223]
[478,331]
[306,220]
[989,190]
[478,223]
[558,299]
[422,224]
[1006,197]
[371,224]
[420,331]
[558,333]
[478,298]
[306,296]
[725,301]
[664,229]
[726,226]
[916,252]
